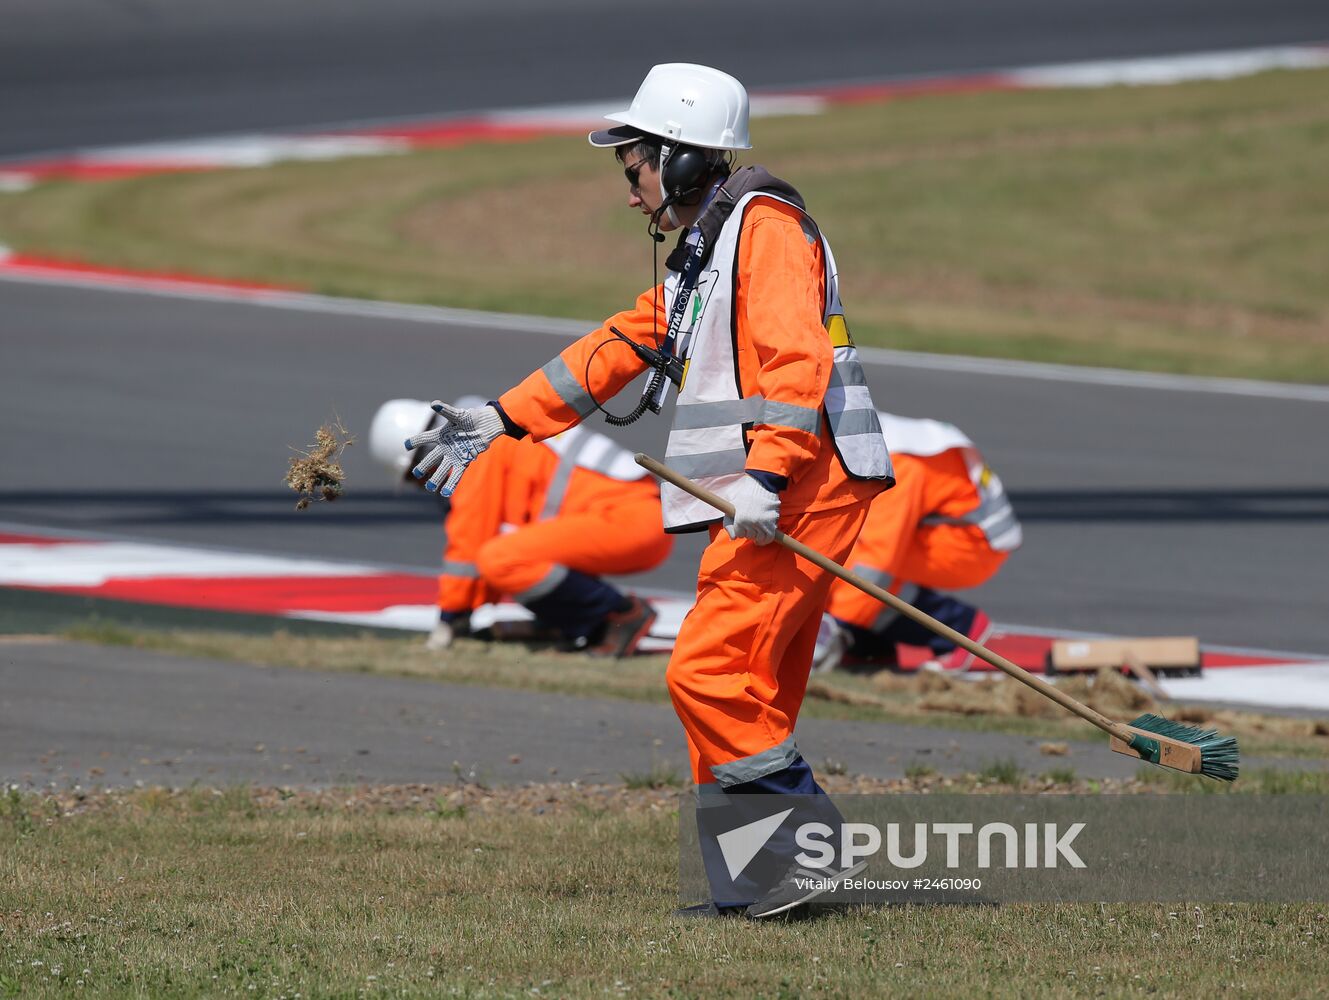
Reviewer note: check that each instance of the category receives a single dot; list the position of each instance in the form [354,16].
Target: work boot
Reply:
[959,658]
[800,885]
[707,911]
[623,630]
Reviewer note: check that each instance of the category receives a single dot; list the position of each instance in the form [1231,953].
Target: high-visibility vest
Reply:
[706,441]
[575,448]
[994,514]
[578,448]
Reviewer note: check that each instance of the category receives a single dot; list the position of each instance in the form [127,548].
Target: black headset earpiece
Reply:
[684,172]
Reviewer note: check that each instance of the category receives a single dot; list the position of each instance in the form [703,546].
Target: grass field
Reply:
[540,891]
[1181,228]
[997,705]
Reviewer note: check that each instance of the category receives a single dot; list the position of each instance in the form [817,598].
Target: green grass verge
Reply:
[1181,228]
[566,893]
[516,665]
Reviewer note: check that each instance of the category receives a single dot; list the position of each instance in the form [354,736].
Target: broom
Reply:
[1150,737]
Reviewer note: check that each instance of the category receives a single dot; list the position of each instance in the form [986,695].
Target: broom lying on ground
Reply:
[1150,737]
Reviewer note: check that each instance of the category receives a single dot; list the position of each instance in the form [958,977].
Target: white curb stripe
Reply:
[1162,70]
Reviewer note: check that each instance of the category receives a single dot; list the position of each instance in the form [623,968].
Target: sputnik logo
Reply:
[741,845]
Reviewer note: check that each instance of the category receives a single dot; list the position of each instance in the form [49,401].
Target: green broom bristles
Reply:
[1218,754]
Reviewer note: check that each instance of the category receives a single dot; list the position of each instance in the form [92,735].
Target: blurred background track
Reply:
[76,73]
[1148,510]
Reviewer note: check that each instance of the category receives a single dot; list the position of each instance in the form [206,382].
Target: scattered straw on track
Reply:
[1108,692]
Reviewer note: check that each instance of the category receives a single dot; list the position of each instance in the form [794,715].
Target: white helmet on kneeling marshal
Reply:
[399,420]
[683,103]
[395,422]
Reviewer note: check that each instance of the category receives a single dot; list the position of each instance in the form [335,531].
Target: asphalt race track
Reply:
[1158,508]
[78,73]
[1147,510]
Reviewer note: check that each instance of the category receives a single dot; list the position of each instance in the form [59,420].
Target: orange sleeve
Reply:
[784,352]
[566,390]
[474,516]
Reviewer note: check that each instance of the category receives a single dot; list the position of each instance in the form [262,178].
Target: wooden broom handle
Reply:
[1116,729]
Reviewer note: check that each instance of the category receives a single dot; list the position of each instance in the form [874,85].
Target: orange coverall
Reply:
[740,666]
[498,545]
[896,543]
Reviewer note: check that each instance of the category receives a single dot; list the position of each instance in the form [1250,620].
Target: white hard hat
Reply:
[684,103]
[395,421]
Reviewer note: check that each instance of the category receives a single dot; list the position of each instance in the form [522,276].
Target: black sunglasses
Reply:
[633,173]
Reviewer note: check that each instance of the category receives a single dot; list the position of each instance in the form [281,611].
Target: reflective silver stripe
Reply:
[552,579]
[801,418]
[882,579]
[568,388]
[908,594]
[1002,529]
[601,455]
[994,515]
[856,422]
[752,409]
[1006,537]
[567,465]
[777,758]
[847,373]
[873,575]
[463,569]
[725,413]
[714,463]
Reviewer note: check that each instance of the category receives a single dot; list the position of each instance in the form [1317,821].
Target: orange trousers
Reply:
[741,663]
[614,539]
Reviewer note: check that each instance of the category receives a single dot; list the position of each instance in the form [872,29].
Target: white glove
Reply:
[756,509]
[457,442]
[441,638]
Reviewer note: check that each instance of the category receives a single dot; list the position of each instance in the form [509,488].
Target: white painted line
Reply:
[65,535]
[407,617]
[522,323]
[1302,685]
[1094,376]
[91,564]
[1161,70]
[300,301]
[244,150]
[332,141]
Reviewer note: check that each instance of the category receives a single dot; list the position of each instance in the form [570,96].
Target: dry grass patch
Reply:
[366,892]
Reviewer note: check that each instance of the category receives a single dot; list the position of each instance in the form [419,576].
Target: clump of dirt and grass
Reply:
[1001,703]
[315,473]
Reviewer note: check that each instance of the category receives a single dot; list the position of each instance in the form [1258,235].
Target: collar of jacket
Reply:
[741,182]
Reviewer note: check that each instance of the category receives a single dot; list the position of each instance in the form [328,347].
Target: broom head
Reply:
[1181,747]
